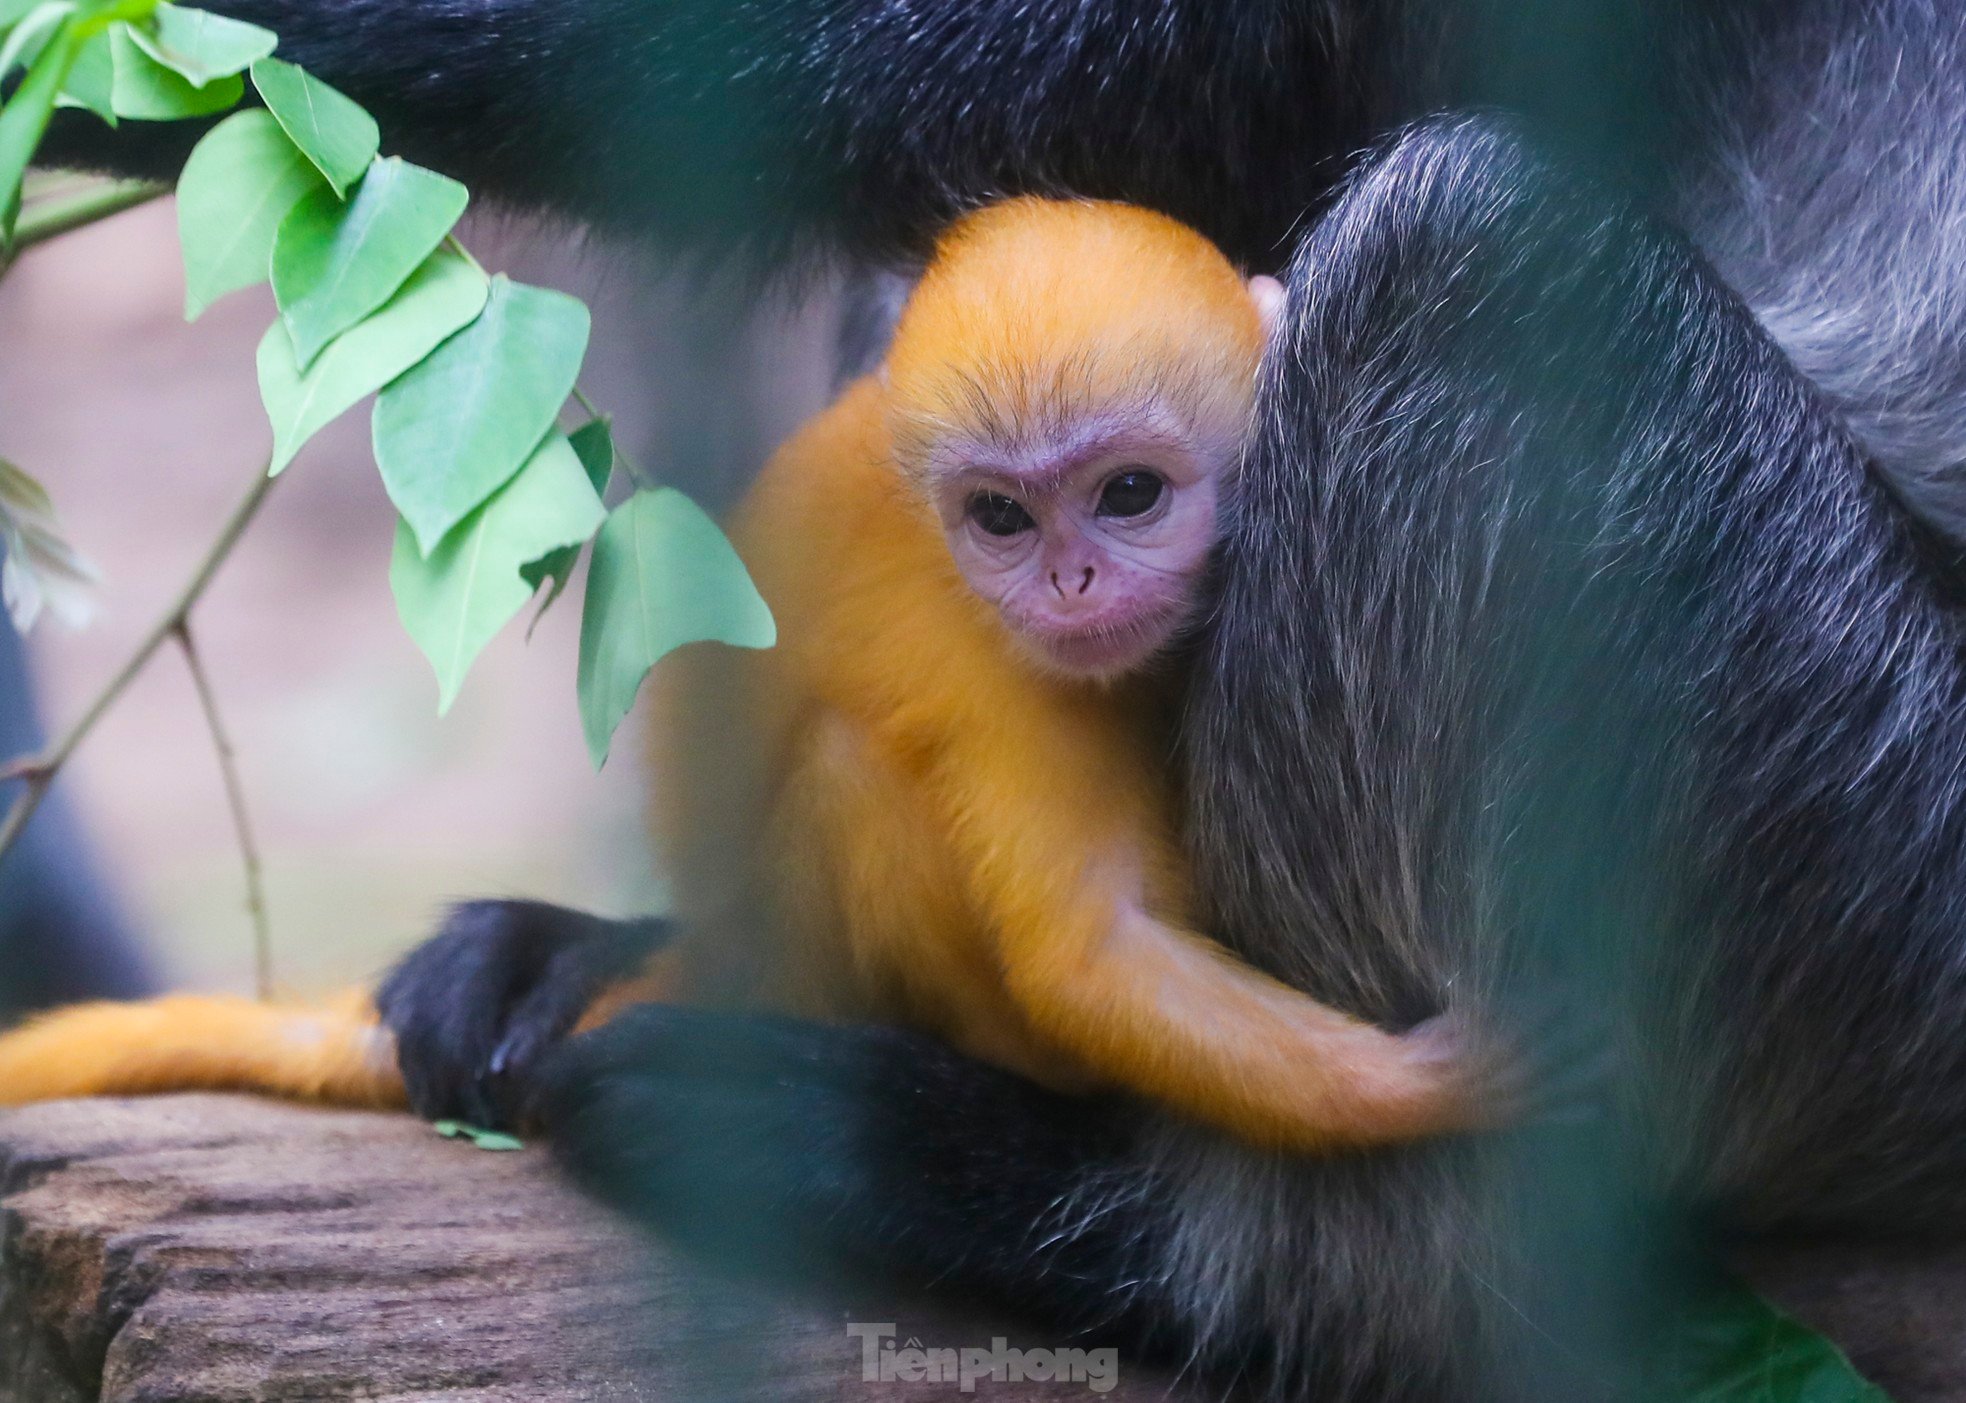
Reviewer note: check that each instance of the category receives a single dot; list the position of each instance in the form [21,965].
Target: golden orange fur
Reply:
[200,1042]
[1033,311]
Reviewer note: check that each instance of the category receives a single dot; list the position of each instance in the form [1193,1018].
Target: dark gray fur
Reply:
[1571,631]
[1830,191]
[1602,647]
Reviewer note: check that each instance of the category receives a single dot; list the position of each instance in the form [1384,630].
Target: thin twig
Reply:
[21,767]
[235,798]
[50,184]
[55,215]
[40,770]
[462,252]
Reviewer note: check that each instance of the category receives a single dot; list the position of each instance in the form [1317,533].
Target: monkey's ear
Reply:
[1269,297]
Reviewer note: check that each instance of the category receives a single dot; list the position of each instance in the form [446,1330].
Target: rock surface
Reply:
[219,1248]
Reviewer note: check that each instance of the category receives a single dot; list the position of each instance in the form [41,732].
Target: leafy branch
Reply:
[470,372]
[40,771]
[51,218]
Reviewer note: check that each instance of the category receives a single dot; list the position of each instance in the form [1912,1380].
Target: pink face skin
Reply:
[1092,544]
[1091,550]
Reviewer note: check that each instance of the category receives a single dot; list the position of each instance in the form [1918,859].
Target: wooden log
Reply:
[224,1248]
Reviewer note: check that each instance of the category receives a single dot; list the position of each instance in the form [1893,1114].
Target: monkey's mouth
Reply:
[1107,647]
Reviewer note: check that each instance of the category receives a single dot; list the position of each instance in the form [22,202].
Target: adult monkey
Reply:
[1499,387]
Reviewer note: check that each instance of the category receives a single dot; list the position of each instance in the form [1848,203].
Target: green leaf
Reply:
[25,42]
[1731,1346]
[40,567]
[468,588]
[202,47]
[662,575]
[453,430]
[91,80]
[241,181]
[441,296]
[334,263]
[12,12]
[94,14]
[479,1137]
[145,90]
[24,118]
[335,133]
[594,442]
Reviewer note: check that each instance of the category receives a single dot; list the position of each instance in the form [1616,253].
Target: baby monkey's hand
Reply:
[1510,1066]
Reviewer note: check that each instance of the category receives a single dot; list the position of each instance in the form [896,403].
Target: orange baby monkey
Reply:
[980,559]
[952,806]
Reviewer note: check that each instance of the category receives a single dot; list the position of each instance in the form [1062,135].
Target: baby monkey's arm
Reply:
[1171,1015]
[1164,1012]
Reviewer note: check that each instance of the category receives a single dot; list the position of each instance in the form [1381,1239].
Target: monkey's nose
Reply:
[1085,582]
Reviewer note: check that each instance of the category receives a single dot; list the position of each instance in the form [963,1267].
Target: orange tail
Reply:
[338,1053]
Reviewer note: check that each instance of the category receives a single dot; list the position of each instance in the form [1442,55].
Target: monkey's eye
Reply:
[1131,494]
[998,514]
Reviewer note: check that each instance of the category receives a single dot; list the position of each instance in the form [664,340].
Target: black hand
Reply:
[474,1006]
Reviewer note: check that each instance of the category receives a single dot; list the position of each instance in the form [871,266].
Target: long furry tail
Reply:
[338,1053]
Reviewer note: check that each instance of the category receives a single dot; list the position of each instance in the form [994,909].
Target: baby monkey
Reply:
[952,806]
[981,559]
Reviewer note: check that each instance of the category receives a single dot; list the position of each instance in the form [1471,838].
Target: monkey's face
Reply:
[1092,552]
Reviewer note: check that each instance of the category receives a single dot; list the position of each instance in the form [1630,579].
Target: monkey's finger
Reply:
[446,1003]
[594,956]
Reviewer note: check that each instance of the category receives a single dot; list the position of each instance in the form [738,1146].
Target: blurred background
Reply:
[371,813]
